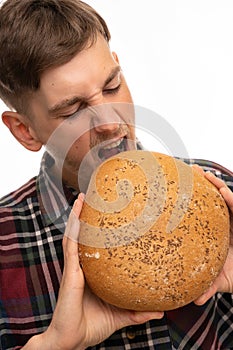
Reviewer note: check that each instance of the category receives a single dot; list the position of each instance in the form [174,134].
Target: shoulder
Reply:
[19,195]
[18,202]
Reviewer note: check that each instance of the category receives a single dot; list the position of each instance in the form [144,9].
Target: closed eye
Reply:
[113,90]
[75,113]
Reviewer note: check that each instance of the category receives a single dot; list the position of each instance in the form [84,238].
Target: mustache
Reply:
[95,140]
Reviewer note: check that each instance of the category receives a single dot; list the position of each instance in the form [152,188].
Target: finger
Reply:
[223,189]
[77,207]
[139,317]
[70,240]
[198,169]
[215,180]
[206,296]
[129,318]
[228,196]
[72,269]
[73,224]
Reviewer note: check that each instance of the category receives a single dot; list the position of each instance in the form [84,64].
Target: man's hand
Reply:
[224,281]
[81,319]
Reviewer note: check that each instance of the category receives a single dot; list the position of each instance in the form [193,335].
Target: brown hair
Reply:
[38,34]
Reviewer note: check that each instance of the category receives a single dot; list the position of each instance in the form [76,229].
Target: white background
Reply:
[177,56]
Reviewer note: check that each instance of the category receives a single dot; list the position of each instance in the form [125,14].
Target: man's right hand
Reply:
[80,318]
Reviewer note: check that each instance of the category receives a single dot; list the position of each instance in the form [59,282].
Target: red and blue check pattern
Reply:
[31,264]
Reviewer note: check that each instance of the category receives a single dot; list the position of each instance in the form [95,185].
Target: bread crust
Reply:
[173,255]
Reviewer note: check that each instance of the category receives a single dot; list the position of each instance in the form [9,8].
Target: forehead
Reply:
[87,70]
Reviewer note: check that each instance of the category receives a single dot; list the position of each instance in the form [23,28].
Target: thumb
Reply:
[70,240]
[73,225]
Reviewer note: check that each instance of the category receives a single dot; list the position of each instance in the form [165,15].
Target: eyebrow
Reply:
[75,99]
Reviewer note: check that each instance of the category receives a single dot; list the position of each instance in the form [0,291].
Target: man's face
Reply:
[88,101]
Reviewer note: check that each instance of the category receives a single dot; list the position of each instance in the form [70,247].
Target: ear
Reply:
[20,128]
[115,57]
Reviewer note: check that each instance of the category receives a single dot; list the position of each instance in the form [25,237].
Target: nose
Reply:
[105,119]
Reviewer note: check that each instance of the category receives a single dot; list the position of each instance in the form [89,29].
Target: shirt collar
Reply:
[55,198]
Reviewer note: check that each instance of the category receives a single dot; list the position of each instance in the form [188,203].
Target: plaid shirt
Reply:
[31,264]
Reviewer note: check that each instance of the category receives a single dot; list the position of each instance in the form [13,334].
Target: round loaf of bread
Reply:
[154,232]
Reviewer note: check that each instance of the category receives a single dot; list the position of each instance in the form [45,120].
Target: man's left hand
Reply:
[224,281]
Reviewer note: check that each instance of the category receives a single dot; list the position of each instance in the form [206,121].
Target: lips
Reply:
[112,149]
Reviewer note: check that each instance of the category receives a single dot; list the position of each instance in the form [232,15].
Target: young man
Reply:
[65,90]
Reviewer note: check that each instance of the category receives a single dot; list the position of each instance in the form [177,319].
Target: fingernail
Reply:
[81,196]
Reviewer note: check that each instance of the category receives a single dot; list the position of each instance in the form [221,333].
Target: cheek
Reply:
[44,131]
[78,150]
